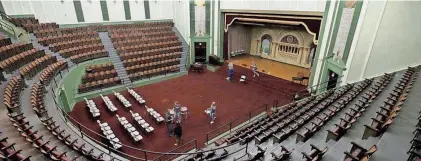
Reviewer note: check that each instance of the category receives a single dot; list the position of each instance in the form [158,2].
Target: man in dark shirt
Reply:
[178,132]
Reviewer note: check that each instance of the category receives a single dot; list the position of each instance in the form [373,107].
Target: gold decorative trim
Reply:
[294,23]
[273,16]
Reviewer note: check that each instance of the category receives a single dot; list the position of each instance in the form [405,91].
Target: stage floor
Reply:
[195,91]
[270,67]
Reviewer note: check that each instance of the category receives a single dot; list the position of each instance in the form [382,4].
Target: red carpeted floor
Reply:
[195,91]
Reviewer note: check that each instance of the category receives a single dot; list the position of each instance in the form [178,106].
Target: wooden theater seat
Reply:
[358,153]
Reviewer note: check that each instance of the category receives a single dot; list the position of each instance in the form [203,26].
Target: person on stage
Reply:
[254,68]
[230,71]
[212,112]
[178,132]
[177,112]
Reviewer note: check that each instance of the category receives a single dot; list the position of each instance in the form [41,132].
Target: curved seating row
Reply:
[100,67]
[66,37]
[8,151]
[47,74]
[90,77]
[152,46]
[88,56]
[15,62]
[151,59]
[12,92]
[153,72]
[144,53]
[33,68]
[13,49]
[81,49]
[99,84]
[60,46]
[130,42]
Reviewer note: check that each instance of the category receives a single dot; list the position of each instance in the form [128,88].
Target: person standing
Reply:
[230,71]
[212,112]
[177,112]
[178,132]
[254,68]
[168,121]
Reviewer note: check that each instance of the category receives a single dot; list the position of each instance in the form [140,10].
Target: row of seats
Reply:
[47,74]
[37,102]
[315,153]
[122,100]
[151,59]
[4,41]
[414,150]
[13,49]
[19,22]
[145,53]
[88,56]
[36,66]
[142,123]
[153,72]
[131,26]
[211,155]
[138,35]
[81,49]
[94,76]
[292,123]
[31,27]
[108,103]
[152,65]
[109,82]
[15,62]
[59,31]
[100,67]
[109,134]
[131,42]
[141,29]
[66,37]
[8,151]
[392,105]
[93,109]
[12,92]
[324,117]
[154,115]
[136,96]
[354,113]
[130,129]
[152,46]
[60,46]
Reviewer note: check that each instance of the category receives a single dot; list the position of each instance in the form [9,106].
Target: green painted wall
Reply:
[126,5]
[104,10]
[79,11]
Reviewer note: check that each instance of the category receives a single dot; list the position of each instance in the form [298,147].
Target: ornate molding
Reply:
[292,23]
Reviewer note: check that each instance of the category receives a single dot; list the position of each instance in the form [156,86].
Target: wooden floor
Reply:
[274,68]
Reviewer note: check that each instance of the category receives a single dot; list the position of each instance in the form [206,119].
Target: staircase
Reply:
[183,60]
[47,50]
[114,58]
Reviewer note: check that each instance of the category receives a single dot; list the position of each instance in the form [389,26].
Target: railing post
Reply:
[266,107]
[146,156]
[249,116]
[230,126]
[207,138]
[247,146]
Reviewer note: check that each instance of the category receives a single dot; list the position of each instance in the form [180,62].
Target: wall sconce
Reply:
[62,1]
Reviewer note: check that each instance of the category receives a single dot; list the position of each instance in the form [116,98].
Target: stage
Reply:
[271,67]
[195,91]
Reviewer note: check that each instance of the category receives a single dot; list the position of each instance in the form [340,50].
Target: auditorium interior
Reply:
[217,80]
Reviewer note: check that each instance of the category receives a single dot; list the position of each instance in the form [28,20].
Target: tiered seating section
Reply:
[147,49]
[79,44]
[15,86]
[37,102]
[354,113]
[392,105]
[15,55]
[31,69]
[99,76]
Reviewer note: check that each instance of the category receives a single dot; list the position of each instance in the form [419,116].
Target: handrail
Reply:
[7,26]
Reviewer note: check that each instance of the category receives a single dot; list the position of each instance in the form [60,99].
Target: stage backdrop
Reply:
[239,37]
[283,44]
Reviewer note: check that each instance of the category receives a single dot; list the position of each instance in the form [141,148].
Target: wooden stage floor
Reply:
[270,67]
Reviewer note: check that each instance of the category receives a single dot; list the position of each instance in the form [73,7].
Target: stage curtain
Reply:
[239,38]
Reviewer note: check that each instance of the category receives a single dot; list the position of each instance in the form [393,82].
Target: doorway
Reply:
[332,80]
[200,52]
